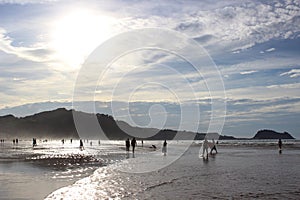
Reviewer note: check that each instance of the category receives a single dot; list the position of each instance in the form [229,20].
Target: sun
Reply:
[76,34]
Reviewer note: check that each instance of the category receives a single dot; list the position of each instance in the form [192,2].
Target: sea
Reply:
[242,169]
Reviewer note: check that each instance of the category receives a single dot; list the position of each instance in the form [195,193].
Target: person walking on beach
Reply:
[214,147]
[127,144]
[205,148]
[133,144]
[280,145]
[164,149]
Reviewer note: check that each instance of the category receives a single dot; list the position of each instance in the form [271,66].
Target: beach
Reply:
[33,173]
[241,170]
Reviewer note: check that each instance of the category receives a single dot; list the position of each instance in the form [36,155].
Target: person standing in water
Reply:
[280,145]
[127,144]
[34,142]
[164,149]
[81,145]
[214,147]
[205,148]
[133,144]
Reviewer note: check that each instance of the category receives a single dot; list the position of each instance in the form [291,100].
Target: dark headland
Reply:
[270,134]
[59,123]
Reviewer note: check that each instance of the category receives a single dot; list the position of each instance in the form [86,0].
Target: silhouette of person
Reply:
[214,147]
[142,143]
[81,145]
[205,148]
[280,145]
[164,149]
[34,142]
[133,144]
[127,143]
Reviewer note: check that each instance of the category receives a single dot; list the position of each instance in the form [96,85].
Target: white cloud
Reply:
[34,53]
[230,25]
[292,73]
[25,1]
[248,72]
[267,63]
[222,25]
[270,50]
[285,86]
[265,92]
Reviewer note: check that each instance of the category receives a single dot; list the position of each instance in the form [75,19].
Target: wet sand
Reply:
[234,173]
[34,173]
[238,171]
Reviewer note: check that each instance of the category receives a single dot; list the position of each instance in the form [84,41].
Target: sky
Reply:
[249,62]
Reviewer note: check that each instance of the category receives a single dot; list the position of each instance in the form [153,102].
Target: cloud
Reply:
[219,25]
[270,50]
[37,54]
[248,72]
[238,36]
[264,92]
[294,73]
[22,2]
[231,65]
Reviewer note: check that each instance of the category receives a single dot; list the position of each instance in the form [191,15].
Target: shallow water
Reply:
[33,173]
[234,173]
[241,170]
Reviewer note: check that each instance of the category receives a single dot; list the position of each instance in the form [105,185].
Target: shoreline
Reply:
[34,173]
[39,172]
[47,175]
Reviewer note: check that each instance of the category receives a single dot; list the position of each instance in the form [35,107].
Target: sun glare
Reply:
[77,33]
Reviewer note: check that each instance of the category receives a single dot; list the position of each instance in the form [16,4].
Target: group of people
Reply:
[81,143]
[15,141]
[205,146]
[133,144]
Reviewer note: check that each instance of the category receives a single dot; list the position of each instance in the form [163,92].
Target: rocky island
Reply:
[270,134]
